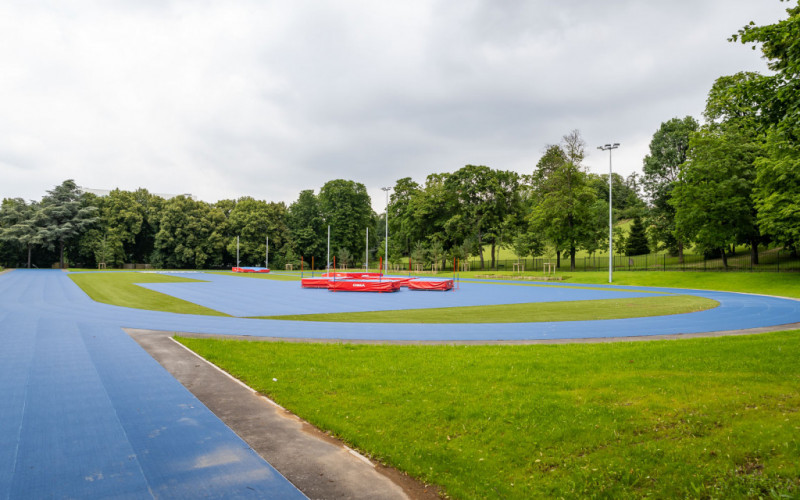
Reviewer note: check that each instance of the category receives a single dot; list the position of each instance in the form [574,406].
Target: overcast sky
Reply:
[262,98]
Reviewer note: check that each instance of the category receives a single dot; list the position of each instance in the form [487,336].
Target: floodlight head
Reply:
[616,144]
[607,146]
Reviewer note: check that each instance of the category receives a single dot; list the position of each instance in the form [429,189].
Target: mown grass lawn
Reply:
[658,305]
[713,418]
[120,288]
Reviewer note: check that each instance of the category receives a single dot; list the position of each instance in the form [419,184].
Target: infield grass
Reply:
[120,288]
[699,418]
[636,307]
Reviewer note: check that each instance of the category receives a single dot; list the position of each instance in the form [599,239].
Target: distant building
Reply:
[106,192]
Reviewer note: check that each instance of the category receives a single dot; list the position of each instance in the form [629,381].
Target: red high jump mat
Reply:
[363,286]
[353,275]
[315,282]
[442,285]
[250,269]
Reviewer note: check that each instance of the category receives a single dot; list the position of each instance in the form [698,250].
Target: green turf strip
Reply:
[263,276]
[120,289]
[524,313]
[698,418]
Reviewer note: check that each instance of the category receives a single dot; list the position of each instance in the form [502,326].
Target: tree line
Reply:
[734,180]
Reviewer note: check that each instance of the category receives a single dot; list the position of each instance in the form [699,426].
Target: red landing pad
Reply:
[363,286]
[315,282]
[352,275]
[442,285]
[250,269]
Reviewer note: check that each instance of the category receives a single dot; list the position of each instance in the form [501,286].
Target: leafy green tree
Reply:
[777,192]
[307,226]
[567,207]
[484,198]
[777,184]
[190,235]
[346,206]
[403,225]
[636,243]
[253,221]
[18,224]
[64,216]
[668,151]
[713,196]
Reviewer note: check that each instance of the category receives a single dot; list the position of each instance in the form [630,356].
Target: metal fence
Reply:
[769,260]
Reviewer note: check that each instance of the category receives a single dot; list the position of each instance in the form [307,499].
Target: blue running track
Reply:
[85,412]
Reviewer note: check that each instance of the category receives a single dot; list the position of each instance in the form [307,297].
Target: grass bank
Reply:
[717,418]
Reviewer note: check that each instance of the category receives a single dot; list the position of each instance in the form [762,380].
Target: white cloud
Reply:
[226,99]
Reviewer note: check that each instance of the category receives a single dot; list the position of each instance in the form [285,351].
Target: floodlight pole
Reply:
[366,252]
[609,147]
[266,262]
[386,237]
[237,251]
[328,259]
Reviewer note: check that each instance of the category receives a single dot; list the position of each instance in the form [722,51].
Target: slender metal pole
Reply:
[267,261]
[237,251]
[366,252]
[328,259]
[610,225]
[386,237]
[609,147]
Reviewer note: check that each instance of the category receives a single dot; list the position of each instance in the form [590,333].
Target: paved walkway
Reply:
[85,412]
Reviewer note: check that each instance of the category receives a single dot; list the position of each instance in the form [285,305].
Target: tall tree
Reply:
[64,216]
[18,224]
[777,182]
[713,196]
[636,242]
[307,228]
[567,207]
[346,206]
[253,221]
[668,150]
[191,235]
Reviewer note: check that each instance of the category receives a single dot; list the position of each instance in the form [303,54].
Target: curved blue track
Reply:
[87,413]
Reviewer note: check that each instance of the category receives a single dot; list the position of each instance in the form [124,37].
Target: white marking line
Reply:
[360,456]
[212,365]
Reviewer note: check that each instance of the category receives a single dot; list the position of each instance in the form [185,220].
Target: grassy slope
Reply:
[119,288]
[698,418]
[519,313]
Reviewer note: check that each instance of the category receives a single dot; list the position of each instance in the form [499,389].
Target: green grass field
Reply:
[523,313]
[699,418]
[119,288]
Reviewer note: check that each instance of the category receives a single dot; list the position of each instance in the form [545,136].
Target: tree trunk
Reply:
[724,258]
[493,262]
[572,258]
[558,259]
[61,254]
[29,255]
[680,252]
[480,249]
[754,252]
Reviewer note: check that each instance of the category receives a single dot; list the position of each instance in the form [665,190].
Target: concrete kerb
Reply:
[316,463]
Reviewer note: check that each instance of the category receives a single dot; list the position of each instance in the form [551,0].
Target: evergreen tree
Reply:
[64,216]
[636,242]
